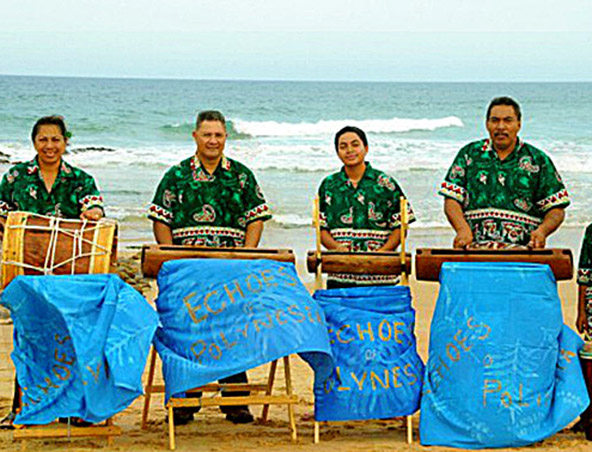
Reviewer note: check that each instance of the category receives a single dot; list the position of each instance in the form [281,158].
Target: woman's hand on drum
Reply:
[94,214]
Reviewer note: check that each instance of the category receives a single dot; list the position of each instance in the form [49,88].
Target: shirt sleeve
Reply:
[395,215]
[324,200]
[6,190]
[89,195]
[454,185]
[165,200]
[256,208]
[585,265]
[551,191]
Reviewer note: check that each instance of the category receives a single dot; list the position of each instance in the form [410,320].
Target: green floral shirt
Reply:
[74,191]
[362,217]
[585,266]
[208,209]
[504,201]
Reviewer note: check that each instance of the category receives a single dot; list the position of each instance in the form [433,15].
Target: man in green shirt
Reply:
[502,190]
[360,208]
[210,200]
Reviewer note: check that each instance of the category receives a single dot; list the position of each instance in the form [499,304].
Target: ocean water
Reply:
[284,132]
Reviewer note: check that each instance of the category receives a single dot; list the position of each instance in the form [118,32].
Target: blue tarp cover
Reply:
[377,370]
[503,370]
[221,317]
[80,345]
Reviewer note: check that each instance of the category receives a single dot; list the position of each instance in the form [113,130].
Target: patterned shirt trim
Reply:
[359,234]
[158,213]
[453,191]
[585,276]
[182,233]
[558,199]
[502,214]
[91,201]
[258,212]
[363,279]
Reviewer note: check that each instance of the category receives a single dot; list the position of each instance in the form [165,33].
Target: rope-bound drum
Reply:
[43,245]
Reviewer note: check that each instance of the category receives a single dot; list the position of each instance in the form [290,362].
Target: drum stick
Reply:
[404,225]
[316,218]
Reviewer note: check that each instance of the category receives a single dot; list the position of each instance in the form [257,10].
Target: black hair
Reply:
[53,120]
[504,100]
[359,132]
[209,115]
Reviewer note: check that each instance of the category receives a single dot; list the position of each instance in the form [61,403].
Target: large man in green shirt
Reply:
[210,200]
[502,190]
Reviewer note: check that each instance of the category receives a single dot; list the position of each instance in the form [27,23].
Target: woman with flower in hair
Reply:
[47,185]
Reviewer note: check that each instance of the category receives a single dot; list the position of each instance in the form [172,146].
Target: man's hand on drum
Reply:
[464,237]
[537,239]
[94,214]
[582,322]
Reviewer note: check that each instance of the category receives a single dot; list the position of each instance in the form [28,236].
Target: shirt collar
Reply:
[488,145]
[201,174]
[368,174]
[65,170]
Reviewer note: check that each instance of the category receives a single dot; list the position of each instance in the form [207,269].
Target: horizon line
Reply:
[161,78]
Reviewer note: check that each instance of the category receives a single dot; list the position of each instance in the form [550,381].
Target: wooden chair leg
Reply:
[171,428]
[148,394]
[270,381]
[288,376]
[409,430]
[317,432]
[109,423]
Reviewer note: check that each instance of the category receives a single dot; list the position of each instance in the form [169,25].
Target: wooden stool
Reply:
[153,256]
[319,262]
[39,244]
[56,430]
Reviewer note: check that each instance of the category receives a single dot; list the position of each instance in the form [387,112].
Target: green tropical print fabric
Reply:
[208,209]
[362,217]
[504,201]
[585,265]
[584,278]
[74,191]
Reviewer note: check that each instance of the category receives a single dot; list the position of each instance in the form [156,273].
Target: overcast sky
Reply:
[424,40]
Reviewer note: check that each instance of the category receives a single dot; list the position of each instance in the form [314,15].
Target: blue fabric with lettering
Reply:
[503,370]
[377,370]
[80,345]
[221,317]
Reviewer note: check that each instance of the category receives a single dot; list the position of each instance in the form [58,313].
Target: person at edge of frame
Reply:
[210,200]
[48,185]
[584,325]
[359,209]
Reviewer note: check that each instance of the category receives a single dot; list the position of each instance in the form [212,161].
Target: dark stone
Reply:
[89,149]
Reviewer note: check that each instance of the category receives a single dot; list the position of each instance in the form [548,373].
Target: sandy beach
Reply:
[211,432]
